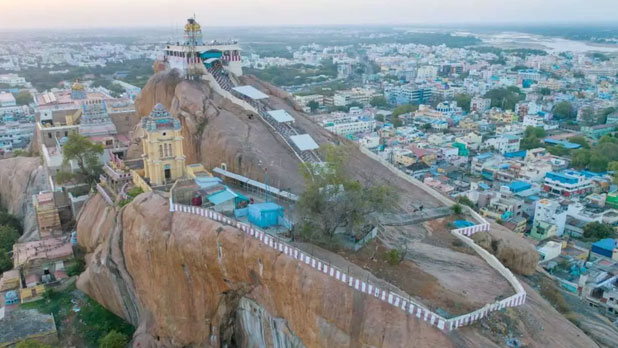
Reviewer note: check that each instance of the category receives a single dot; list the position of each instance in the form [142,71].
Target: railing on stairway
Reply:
[284,130]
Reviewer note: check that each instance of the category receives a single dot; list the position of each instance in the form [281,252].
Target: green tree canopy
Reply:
[378,101]
[578,139]
[505,98]
[10,220]
[463,101]
[532,138]
[86,154]
[23,98]
[580,158]
[313,105]
[564,111]
[8,237]
[596,230]
[332,200]
[404,109]
[114,339]
[538,132]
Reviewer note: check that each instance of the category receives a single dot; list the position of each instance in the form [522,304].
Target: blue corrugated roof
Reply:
[607,244]
[521,154]
[567,144]
[484,186]
[221,196]
[517,186]
[266,206]
[484,155]
[207,181]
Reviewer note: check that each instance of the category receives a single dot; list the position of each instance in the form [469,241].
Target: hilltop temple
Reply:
[194,54]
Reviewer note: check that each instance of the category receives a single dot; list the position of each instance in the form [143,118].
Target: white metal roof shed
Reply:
[281,116]
[251,92]
[304,142]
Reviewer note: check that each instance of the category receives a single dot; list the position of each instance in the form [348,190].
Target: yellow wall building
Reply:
[164,160]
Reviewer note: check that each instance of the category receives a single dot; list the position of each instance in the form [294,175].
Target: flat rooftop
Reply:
[21,324]
[304,142]
[250,92]
[281,116]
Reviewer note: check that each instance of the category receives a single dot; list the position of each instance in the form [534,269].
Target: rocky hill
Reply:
[20,178]
[218,131]
[189,282]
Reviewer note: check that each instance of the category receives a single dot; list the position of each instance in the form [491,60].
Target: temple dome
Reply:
[192,25]
[77,86]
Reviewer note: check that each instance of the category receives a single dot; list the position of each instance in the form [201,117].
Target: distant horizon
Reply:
[108,14]
[445,25]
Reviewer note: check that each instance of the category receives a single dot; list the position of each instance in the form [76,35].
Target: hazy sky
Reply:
[17,14]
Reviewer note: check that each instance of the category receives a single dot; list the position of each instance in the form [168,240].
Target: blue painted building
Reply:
[606,248]
[265,215]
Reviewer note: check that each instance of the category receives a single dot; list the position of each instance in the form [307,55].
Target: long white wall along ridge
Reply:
[401,302]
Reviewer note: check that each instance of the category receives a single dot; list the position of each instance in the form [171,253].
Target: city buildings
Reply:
[408,94]
[360,96]
[7,99]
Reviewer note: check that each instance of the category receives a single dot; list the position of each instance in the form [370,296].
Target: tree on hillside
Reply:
[114,339]
[332,200]
[563,111]
[10,220]
[86,154]
[23,98]
[8,237]
[378,101]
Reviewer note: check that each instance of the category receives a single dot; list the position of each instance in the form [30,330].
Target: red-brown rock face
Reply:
[187,281]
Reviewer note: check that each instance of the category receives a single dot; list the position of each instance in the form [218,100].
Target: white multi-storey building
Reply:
[349,125]
[356,95]
[504,143]
[551,212]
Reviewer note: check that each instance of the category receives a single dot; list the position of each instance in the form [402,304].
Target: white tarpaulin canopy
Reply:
[304,142]
[281,116]
[251,92]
